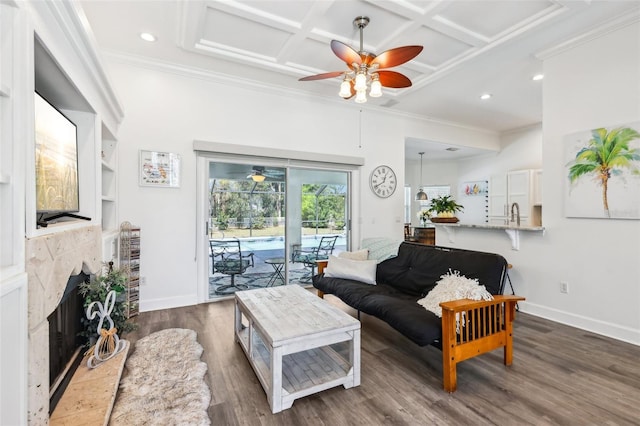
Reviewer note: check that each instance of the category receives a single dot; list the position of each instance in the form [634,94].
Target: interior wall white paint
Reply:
[166,111]
[602,262]
[598,258]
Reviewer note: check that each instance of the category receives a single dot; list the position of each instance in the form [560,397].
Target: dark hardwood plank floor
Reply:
[560,376]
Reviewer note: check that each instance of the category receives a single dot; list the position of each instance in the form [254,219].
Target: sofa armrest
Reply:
[484,326]
[321,264]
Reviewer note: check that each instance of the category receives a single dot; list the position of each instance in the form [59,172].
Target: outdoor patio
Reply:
[263,273]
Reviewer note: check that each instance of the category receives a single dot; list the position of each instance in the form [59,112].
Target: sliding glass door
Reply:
[317,224]
[267,223]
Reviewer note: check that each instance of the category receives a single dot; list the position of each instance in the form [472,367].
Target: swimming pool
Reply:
[277,243]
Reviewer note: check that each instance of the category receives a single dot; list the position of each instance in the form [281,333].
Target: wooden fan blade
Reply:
[346,53]
[322,76]
[398,56]
[393,79]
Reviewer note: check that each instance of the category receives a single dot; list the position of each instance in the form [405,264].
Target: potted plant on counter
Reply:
[445,208]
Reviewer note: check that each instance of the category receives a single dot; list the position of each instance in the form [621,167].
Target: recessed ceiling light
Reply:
[148,37]
[537,77]
[485,96]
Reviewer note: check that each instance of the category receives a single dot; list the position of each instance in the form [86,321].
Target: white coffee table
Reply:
[292,339]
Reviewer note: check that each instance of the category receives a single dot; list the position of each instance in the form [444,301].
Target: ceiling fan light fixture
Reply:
[376,88]
[345,89]
[361,81]
[368,71]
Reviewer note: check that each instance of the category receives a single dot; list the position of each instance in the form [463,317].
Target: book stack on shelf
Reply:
[130,262]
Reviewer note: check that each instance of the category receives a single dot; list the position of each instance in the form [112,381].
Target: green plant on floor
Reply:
[96,290]
[445,206]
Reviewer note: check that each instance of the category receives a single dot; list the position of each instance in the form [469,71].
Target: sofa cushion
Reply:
[360,270]
[398,309]
[355,255]
[381,248]
[417,268]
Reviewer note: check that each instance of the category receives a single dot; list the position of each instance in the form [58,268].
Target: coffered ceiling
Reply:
[470,47]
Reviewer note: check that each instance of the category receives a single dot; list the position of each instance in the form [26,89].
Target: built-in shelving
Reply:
[109,172]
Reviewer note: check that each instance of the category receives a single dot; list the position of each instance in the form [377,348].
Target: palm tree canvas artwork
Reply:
[603,173]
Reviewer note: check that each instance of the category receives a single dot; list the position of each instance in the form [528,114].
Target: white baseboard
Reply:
[168,303]
[615,331]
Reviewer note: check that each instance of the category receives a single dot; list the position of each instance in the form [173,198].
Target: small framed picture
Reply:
[159,169]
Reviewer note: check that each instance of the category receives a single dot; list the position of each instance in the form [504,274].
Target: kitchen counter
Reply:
[492,226]
[511,229]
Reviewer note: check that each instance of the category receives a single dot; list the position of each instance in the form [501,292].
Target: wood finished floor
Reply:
[560,376]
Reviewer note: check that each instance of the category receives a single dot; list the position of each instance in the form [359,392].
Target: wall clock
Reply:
[383,181]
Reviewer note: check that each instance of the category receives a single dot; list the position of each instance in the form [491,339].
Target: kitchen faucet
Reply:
[516,207]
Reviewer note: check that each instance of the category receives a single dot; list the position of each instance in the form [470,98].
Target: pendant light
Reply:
[421,195]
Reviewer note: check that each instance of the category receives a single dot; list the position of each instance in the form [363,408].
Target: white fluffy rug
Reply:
[164,382]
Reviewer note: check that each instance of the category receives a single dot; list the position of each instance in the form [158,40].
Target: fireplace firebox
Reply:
[65,344]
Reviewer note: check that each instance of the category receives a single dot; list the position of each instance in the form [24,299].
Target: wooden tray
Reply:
[445,220]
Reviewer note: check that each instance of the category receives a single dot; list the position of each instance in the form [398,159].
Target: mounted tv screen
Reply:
[56,160]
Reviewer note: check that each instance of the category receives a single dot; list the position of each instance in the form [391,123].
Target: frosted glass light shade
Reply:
[361,82]
[376,89]
[361,96]
[345,89]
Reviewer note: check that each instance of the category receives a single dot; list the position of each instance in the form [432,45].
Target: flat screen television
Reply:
[57,191]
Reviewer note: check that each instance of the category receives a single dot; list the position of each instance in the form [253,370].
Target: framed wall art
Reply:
[480,187]
[602,172]
[159,169]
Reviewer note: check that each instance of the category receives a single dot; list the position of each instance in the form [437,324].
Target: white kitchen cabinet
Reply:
[513,187]
[537,187]
[498,199]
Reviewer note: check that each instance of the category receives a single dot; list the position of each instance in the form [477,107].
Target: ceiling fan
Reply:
[367,69]
[260,173]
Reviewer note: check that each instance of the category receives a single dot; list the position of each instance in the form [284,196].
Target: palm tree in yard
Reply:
[606,155]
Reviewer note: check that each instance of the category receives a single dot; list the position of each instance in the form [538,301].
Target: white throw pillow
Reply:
[354,255]
[453,286]
[359,270]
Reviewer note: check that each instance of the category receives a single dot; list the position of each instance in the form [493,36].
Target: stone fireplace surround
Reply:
[50,261]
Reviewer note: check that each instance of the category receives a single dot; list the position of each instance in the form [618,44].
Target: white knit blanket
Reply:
[453,286]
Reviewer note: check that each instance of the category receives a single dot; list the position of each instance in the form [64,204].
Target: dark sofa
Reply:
[406,278]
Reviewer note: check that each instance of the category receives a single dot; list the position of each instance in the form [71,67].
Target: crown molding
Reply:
[607,27]
[67,26]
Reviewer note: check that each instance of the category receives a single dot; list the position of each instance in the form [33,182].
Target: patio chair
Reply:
[227,258]
[308,257]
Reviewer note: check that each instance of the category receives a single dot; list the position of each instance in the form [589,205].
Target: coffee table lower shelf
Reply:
[303,373]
